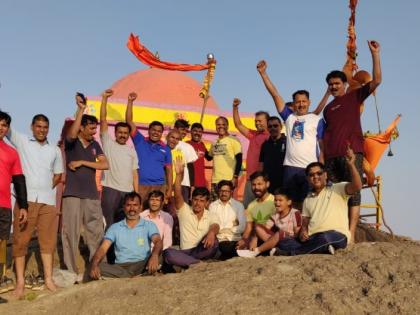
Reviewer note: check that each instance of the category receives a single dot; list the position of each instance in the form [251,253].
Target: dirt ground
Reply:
[368,278]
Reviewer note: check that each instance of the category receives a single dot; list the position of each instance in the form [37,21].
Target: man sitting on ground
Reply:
[197,226]
[230,215]
[133,238]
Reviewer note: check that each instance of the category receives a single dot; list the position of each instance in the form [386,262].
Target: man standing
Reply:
[122,176]
[227,156]
[43,166]
[272,154]
[81,202]
[198,228]
[190,156]
[343,128]
[202,153]
[155,160]
[304,132]
[10,172]
[256,139]
[230,215]
[133,239]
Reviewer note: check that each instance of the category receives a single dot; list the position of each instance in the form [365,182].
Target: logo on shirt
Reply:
[140,241]
[93,151]
[219,149]
[298,130]
[162,150]
[336,107]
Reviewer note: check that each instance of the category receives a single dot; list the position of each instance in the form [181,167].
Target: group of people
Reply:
[155,212]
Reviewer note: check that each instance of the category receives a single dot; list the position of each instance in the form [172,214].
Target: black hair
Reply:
[336,74]
[224,118]
[6,117]
[131,196]
[181,123]
[40,117]
[283,192]
[257,174]
[224,183]
[300,92]
[201,191]
[197,125]
[156,123]
[88,119]
[156,193]
[314,164]
[261,112]
[123,125]
[274,118]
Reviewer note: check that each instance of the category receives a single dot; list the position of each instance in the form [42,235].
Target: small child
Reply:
[282,227]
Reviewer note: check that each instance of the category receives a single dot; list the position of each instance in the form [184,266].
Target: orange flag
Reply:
[148,58]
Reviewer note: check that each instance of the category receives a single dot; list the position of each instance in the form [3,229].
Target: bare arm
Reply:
[210,238]
[75,127]
[356,182]
[100,164]
[100,253]
[179,171]
[376,72]
[56,180]
[169,180]
[153,263]
[303,235]
[321,150]
[237,119]
[129,112]
[318,110]
[104,124]
[278,100]
[136,181]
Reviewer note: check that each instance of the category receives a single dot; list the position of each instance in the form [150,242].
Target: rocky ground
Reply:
[380,277]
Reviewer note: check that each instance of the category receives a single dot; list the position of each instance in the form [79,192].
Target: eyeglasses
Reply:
[319,173]
[273,126]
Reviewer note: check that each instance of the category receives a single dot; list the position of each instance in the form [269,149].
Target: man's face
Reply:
[225,193]
[317,178]
[155,203]
[259,186]
[121,135]
[40,130]
[221,127]
[199,203]
[155,133]
[172,139]
[261,122]
[196,134]
[183,132]
[4,129]
[301,104]
[336,87]
[87,132]
[274,128]
[132,208]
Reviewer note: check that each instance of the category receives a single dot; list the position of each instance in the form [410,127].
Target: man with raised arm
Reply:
[155,160]
[81,204]
[133,239]
[122,176]
[304,133]
[43,166]
[197,226]
[343,127]
[256,139]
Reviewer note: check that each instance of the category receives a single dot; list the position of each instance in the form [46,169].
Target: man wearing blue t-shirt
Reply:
[155,159]
[132,238]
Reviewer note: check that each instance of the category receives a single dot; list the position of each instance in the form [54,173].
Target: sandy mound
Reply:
[381,277]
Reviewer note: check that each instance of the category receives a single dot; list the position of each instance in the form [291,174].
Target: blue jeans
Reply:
[316,244]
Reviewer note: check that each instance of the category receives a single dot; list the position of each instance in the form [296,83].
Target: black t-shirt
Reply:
[81,183]
[272,155]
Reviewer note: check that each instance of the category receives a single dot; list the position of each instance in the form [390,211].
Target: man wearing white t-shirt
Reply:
[190,156]
[304,133]
[122,176]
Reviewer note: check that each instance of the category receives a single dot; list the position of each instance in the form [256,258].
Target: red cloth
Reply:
[9,166]
[256,140]
[148,58]
[199,164]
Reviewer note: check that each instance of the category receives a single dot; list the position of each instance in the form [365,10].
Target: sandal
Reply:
[38,284]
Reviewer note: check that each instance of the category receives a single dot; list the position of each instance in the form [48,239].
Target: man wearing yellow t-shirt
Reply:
[227,156]
[325,223]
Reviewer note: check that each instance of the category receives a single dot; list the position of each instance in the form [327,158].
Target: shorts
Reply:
[5,223]
[295,182]
[338,171]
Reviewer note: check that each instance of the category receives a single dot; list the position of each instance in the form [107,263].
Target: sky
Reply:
[51,49]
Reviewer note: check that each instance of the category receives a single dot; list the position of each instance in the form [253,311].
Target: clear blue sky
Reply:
[50,49]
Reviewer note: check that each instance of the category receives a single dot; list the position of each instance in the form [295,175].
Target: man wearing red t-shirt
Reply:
[344,129]
[202,152]
[256,139]
[10,171]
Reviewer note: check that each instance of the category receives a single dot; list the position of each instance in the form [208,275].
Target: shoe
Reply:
[29,281]
[273,251]
[6,284]
[331,249]
[38,284]
[246,253]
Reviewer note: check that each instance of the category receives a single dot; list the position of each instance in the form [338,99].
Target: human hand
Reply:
[374,46]
[23,216]
[350,156]
[73,165]
[80,102]
[132,97]
[235,182]
[241,244]
[209,240]
[95,272]
[236,102]
[153,264]
[253,244]
[303,235]
[107,93]
[179,165]
[261,66]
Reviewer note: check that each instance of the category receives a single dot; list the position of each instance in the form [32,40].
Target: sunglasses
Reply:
[273,126]
[319,173]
